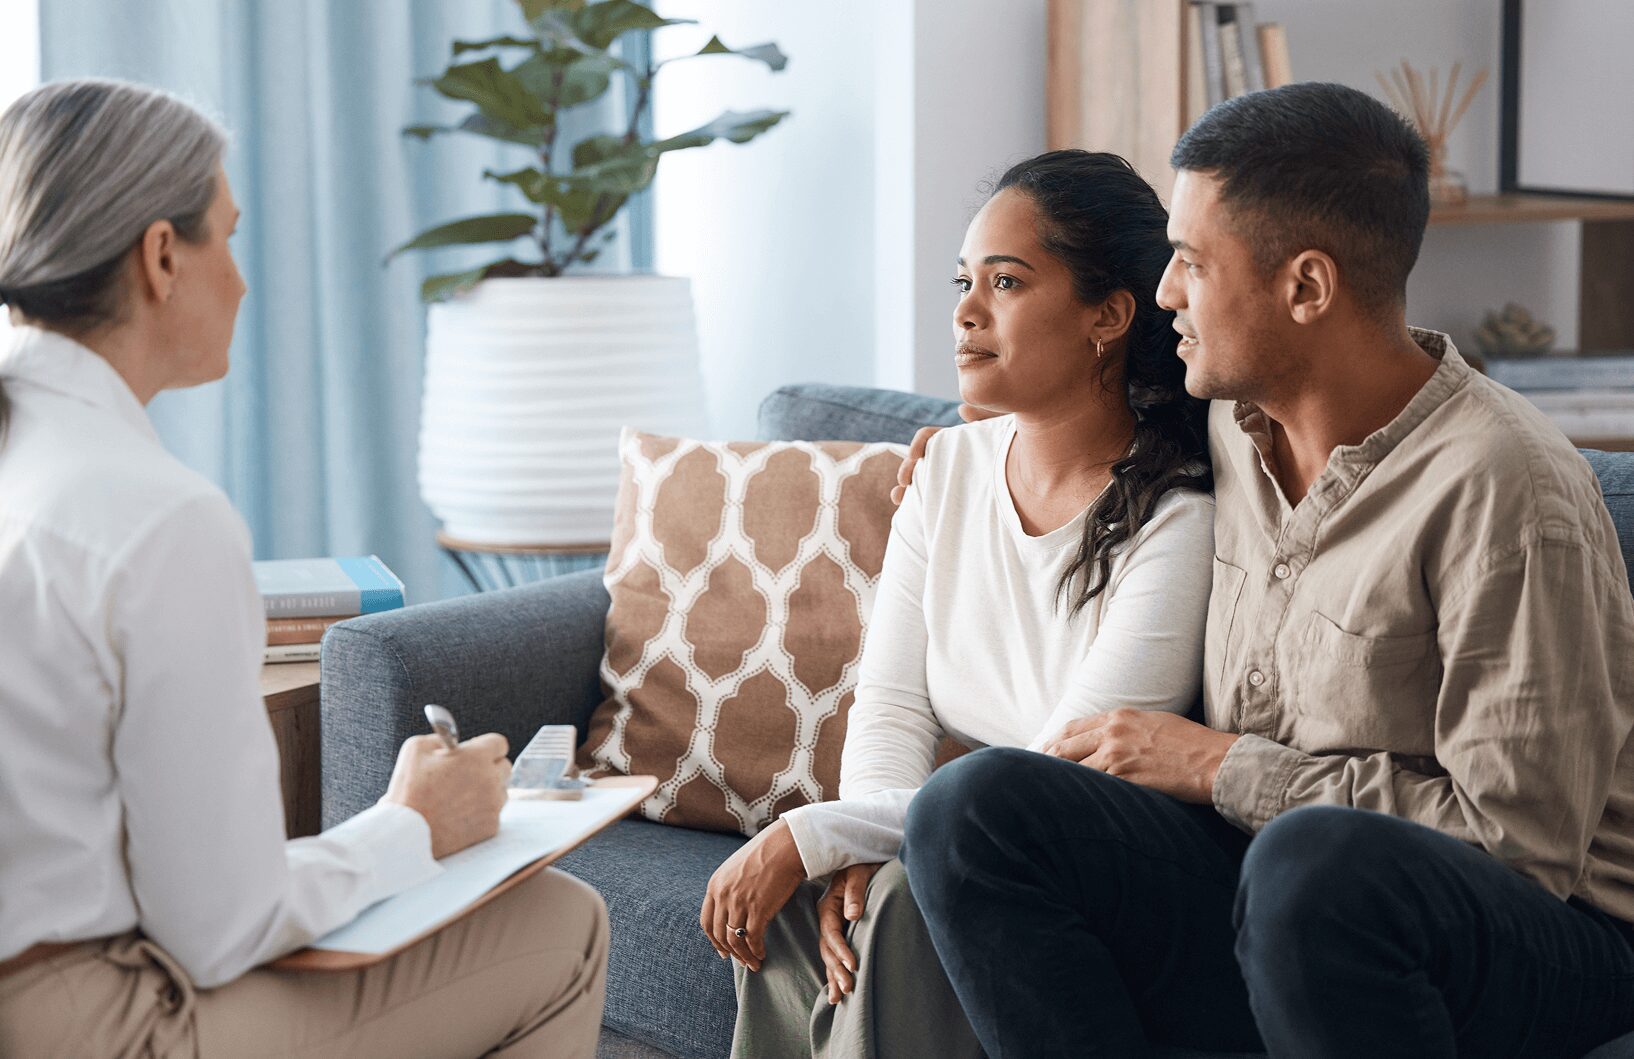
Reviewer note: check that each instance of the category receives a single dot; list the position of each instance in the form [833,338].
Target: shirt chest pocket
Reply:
[1354,691]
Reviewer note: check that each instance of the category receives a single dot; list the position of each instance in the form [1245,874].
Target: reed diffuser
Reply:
[1432,110]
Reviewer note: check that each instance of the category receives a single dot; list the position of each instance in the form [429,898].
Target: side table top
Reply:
[582,548]
[287,684]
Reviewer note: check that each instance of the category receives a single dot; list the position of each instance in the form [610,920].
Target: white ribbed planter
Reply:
[528,382]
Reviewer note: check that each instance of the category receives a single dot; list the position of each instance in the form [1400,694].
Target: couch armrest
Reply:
[503,662]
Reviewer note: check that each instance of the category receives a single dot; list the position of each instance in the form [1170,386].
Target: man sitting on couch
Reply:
[1419,680]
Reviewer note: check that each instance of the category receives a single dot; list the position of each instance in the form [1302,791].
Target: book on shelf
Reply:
[290,652]
[1229,53]
[1273,42]
[300,630]
[1233,63]
[322,588]
[1209,37]
[1562,371]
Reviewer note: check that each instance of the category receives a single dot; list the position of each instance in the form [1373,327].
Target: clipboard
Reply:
[631,790]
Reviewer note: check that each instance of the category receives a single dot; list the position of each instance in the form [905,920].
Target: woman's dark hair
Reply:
[1100,219]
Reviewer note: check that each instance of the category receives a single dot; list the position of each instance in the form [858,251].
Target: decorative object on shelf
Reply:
[1513,331]
[529,373]
[1421,100]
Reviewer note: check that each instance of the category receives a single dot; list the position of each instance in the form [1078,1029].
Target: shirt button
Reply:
[1281,570]
[1256,678]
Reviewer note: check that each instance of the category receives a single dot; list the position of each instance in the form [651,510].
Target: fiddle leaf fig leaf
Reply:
[565,78]
[768,53]
[499,94]
[532,9]
[598,25]
[440,288]
[462,47]
[482,125]
[491,228]
[731,125]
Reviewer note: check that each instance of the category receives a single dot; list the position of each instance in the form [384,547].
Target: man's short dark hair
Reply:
[1317,166]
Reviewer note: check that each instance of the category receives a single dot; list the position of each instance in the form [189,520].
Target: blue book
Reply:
[321,588]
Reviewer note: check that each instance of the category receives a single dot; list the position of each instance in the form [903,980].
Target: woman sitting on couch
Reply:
[1048,564]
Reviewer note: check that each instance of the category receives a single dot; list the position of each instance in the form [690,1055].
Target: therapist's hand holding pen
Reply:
[458,787]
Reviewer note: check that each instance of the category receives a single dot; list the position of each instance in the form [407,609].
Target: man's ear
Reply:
[1113,318]
[1312,286]
[156,261]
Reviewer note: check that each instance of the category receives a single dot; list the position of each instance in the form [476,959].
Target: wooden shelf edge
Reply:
[1530,209]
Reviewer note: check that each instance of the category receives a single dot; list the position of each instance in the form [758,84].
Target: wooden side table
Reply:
[290,690]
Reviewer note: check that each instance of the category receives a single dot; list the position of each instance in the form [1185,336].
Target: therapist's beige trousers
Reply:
[523,976]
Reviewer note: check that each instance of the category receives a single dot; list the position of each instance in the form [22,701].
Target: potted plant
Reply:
[530,369]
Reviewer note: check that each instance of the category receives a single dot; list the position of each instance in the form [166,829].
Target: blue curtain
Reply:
[313,433]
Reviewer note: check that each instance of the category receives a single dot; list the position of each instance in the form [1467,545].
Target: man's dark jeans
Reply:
[1079,914]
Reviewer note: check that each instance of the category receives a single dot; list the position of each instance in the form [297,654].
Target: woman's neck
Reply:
[1059,452]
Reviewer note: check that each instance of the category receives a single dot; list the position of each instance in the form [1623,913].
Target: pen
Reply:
[442,722]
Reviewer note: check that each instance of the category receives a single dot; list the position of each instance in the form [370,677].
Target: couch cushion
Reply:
[816,412]
[665,984]
[741,575]
[1616,473]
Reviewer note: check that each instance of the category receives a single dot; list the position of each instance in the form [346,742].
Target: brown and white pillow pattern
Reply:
[742,575]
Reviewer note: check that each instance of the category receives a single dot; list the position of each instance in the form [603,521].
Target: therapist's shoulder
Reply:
[106,493]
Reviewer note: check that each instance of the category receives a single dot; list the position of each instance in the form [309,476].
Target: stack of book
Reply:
[1589,396]
[303,597]
[1228,53]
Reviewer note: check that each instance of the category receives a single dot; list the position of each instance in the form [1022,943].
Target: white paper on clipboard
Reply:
[528,831]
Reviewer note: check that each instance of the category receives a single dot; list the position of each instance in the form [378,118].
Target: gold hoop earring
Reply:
[1099,350]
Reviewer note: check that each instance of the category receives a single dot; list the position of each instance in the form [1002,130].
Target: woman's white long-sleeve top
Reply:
[969,638]
[138,771]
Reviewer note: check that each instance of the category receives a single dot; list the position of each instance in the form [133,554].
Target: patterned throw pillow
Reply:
[742,575]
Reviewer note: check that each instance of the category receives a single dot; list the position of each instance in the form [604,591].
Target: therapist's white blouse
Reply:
[138,771]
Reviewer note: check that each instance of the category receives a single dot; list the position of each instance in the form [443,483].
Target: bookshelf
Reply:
[1118,79]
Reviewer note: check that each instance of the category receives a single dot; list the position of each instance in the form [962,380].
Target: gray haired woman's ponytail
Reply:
[85,167]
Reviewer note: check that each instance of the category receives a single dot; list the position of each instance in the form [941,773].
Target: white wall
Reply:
[970,105]
[1463,271]
[19,70]
[823,251]
[776,234]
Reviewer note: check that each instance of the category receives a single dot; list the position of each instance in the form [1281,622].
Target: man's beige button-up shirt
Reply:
[1441,630]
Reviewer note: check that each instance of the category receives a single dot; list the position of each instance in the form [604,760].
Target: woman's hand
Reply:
[748,890]
[841,903]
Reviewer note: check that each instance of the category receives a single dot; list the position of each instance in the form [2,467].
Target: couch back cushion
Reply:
[741,576]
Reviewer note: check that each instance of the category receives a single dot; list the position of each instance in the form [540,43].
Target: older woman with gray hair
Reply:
[144,873]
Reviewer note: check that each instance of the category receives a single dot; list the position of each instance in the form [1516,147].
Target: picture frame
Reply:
[1564,128]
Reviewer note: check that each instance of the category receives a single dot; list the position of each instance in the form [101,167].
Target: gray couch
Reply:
[510,661]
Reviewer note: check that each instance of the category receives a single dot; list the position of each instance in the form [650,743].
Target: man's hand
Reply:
[1163,751]
[459,791]
[841,903]
[748,890]
[916,448]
